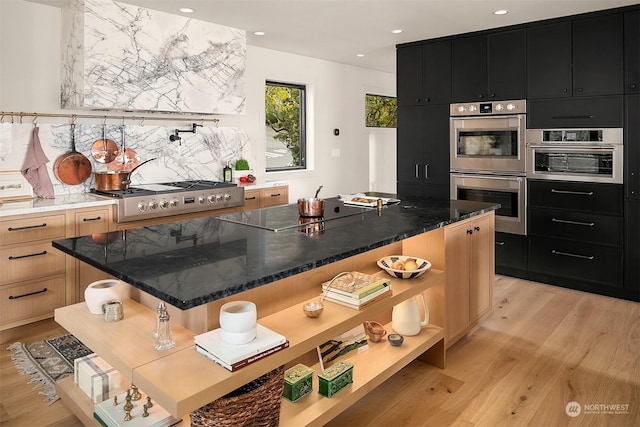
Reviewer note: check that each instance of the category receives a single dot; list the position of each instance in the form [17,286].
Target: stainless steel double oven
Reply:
[488,158]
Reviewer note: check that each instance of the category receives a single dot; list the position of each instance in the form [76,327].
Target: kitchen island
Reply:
[197,265]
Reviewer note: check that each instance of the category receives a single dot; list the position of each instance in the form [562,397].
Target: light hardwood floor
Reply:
[542,348]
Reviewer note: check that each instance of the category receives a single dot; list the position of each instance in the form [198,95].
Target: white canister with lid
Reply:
[101,292]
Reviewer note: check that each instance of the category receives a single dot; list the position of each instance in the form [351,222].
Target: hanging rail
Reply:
[20,115]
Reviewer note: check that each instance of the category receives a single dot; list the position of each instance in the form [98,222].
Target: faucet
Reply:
[176,133]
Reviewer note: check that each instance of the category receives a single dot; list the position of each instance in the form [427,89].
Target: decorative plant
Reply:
[242,164]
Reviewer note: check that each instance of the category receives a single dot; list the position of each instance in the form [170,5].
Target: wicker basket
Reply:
[254,404]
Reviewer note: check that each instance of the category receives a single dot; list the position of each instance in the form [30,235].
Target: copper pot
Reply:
[115,180]
[311,207]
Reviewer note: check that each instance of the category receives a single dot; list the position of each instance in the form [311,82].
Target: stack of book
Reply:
[110,415]
[359,293]
[234,357]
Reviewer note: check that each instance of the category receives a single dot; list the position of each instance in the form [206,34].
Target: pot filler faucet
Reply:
[176,133]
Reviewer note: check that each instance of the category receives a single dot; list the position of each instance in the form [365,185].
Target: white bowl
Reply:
[238,338]
[238,316]
[386,262]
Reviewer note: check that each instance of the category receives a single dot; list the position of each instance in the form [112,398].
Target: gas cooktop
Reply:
[144,201]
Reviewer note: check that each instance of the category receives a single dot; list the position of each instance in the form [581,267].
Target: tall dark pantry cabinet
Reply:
[575,72]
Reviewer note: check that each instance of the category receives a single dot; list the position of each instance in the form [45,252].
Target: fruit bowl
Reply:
[387,262]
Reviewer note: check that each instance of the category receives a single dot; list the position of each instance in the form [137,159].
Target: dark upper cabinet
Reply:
[632,52]
[583,57]
[577,112]
[549,61]
[489,67]
[423,148]
[632,146]
[598,55]
[424,74]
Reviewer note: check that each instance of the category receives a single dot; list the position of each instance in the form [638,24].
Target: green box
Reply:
[335,378]
[297,382]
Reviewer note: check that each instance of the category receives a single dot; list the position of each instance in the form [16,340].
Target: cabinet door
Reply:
[632,146]
[251,200]
[481,267]
[599,111]
[469,69]
[506,65]
[549,61]
[632,52]
[598,55]
[457,253]
[436,151]
[409,75]
[511,251]
[87,222]
[411,144]
[632,246]
[436,66]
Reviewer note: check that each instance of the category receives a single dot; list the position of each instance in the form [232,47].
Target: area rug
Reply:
[48,361]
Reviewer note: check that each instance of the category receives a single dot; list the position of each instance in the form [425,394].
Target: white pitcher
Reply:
[405,317]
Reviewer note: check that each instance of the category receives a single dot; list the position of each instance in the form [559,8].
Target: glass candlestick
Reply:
[164,341]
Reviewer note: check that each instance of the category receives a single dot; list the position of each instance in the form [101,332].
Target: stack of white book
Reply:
[234,357]
[110,415]
[365,289]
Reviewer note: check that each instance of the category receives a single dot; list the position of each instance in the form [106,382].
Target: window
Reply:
[380,111]
[285,126]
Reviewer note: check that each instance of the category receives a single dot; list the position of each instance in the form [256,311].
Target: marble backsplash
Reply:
[197,156]
[117,56]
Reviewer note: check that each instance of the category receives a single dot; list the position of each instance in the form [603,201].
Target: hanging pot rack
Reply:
[73,117]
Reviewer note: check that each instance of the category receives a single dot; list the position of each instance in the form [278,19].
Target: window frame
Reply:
[302,126]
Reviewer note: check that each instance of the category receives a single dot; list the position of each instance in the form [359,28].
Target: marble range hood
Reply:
[127,58]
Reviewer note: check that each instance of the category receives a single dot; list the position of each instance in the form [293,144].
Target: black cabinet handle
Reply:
[493,95]
[426,171]
[565,90]
[476,228]
[499,243]
[276,195]
[587,257]
[633,86]
[417,171]
[418,100]
[97,218]
[566,221]
[12,258]
[29,294]
[250,198]
[480,96]
[44,224]
[427,100]
[577,193]
[580,89]
[585,116]
[469,231]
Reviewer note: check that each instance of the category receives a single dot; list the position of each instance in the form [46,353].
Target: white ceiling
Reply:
[337,30]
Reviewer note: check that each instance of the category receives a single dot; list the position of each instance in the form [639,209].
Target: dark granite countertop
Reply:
[193,262]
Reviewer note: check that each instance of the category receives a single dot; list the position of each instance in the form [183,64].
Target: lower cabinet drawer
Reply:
[576,196]
[578,260]
[511,250]
[29,261]
[273,197]
[582,226]
[34,299]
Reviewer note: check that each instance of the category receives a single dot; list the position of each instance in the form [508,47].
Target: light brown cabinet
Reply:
[32,281]
[84,222]
[265,197]
[469,266]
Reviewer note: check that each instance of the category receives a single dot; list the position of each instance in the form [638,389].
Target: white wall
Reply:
[30,80]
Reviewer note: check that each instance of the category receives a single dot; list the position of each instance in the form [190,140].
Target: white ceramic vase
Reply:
[238,322]
[101,292]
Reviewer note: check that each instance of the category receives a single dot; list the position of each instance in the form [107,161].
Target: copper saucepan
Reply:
[311,207]
[104,150]
[115,180]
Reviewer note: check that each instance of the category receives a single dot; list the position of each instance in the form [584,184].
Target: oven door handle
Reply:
[573,148]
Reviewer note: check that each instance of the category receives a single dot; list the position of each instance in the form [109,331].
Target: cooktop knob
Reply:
[218,197]
[173,203]
[202,199]
[153,205]
[142,206]
[164,204]
[212,198]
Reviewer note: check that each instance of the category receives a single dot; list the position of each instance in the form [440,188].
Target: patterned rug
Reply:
[48,361]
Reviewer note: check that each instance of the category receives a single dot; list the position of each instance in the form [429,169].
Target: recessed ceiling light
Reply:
[186,10]
[259,33]
[398,31]
[360,55]
[501,12]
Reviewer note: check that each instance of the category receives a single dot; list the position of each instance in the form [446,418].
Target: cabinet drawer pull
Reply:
[97,218]
[426,171]
[29,294]
[499,243]
[586,116]
[250,198]
[566,221]
[588,257]
[44,224]
[11,258]
[276,195]
[578,193]
[417,171]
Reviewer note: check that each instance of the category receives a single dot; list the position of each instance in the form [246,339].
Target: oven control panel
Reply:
[488,108]
[163,205]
